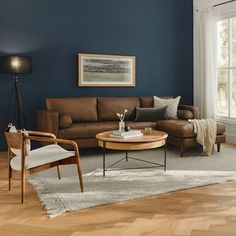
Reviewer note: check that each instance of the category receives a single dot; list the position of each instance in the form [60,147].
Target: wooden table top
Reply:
[153,137]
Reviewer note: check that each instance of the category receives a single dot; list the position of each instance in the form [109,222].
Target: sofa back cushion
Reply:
[109,106]
[79,109]
[146,101]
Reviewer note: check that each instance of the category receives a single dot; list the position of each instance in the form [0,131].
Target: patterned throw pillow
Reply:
[172,106]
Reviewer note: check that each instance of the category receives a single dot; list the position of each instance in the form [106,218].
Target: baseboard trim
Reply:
[230,138]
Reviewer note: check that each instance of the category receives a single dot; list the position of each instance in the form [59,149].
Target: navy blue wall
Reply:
[157,32]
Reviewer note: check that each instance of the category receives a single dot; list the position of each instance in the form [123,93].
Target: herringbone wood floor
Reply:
[205,211]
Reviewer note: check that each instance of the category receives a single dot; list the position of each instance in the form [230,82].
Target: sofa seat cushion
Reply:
[89,130]
[108,107]
[141,125]
[182,128]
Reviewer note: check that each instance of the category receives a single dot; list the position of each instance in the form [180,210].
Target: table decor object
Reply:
[122,118]
[126,134]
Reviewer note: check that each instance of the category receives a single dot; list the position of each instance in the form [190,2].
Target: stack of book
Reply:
[133,133]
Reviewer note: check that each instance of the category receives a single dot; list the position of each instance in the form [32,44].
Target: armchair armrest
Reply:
[52,140]
[193,109]
[38,133]
[48,121]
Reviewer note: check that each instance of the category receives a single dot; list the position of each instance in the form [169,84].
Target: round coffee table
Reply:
[148,141]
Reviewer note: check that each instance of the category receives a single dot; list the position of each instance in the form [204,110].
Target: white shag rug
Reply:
[59,196]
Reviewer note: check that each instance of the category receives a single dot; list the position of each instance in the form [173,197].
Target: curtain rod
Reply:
[223,3]
[219,4]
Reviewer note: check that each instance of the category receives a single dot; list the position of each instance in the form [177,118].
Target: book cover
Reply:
[124,137]
[128,133]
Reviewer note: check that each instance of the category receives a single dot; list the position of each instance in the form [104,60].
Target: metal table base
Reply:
[126,158]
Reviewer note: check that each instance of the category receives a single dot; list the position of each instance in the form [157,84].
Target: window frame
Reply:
[229,68]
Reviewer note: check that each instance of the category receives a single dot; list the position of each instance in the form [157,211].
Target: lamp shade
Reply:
[15,65]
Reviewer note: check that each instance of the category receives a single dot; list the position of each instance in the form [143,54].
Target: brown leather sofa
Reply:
[80,119]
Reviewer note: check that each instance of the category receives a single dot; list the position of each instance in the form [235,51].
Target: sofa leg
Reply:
[218,147]
[181,151]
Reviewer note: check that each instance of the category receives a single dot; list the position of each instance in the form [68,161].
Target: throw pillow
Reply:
[65,121]
[171,111]
[150,114]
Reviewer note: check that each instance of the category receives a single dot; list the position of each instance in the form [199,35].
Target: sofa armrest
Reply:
[193,109]
[48,121]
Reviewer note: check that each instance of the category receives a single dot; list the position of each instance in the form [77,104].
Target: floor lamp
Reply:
[16,65]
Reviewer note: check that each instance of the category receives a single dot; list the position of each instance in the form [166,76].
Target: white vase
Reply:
[121,126]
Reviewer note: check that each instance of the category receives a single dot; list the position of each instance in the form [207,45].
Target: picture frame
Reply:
[98,70]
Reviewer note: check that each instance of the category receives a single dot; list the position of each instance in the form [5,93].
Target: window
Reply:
[226,67]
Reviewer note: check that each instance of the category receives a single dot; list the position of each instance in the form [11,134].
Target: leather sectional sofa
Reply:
[80,119]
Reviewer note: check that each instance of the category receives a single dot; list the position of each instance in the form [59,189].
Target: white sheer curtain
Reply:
[204,64]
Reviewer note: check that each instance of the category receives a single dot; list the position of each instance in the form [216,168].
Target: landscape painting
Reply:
[106,70]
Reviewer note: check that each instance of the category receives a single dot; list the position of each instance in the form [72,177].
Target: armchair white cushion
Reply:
[41,156]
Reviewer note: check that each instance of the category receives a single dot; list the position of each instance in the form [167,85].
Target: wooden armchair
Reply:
[39,159]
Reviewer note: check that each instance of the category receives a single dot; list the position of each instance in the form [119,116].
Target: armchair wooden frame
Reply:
[18,141]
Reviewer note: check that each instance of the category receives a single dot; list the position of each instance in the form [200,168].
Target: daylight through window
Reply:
[226,67]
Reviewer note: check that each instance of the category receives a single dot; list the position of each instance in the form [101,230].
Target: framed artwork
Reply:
[106,70]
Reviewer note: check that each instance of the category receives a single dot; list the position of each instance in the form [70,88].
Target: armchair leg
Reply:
[79,173]
[9,170]
[9,177]
[58,172]
[22,186]
[218,147]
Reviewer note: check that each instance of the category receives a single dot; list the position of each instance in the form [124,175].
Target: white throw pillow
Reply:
[172,106]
